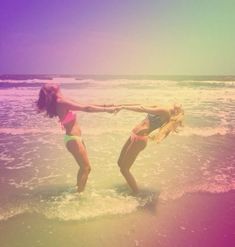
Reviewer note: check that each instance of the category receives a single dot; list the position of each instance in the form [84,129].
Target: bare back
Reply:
[143,128]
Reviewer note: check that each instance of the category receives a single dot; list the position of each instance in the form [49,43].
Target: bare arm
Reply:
[74,106]
[146,109]
[130,104]
[104,105]
[114,105]
[119,105]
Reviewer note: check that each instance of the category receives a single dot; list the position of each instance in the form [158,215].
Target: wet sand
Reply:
[199,219]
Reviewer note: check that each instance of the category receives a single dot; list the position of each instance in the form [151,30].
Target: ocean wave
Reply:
[206,131]
[12,211]
[210,84]
[122,82]
[28,81]
[32,183]
[185,131]
[71,80]
[91,205]
[211,188]
[22,131]
[9,84]
[72,206]
[65,82]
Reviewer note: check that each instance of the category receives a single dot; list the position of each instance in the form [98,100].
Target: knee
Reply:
[119,162]
[122,166]
[124,170]
[86,169]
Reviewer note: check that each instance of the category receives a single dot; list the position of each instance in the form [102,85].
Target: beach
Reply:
[193,220]
[187,182]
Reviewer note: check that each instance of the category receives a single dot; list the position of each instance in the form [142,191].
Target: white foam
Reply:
[95,204]
[185,131]
[212,188]
[72,206]
[67,80]
[23,81]
[206,131]
[229,83]
[62,80]
[10,212]
[33,182]
[22,131]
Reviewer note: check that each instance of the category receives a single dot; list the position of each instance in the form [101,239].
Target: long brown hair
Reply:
[47,100]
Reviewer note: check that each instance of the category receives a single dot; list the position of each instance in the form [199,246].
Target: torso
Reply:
[145,127]
[72,127]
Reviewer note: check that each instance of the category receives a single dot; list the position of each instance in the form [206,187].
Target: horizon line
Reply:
[92,74]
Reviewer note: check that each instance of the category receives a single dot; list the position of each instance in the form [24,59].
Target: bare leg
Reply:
[78,150]
[127,157]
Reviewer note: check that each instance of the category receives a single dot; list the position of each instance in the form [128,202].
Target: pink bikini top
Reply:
[70,116]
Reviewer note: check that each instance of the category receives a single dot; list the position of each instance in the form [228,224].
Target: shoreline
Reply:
[199,219]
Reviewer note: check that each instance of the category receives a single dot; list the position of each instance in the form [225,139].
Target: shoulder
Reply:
[62,102]
[162,111]
[166,115]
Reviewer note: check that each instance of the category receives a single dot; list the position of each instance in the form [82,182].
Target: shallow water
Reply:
[37,174]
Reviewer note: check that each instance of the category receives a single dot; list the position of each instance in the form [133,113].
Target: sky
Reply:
[147,37]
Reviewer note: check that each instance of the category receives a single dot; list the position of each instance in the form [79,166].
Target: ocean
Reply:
[38,174]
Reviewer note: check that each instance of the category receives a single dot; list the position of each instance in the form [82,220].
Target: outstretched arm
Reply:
[75,106]
[114,105]
[146,109]
[104,105]
[136,105]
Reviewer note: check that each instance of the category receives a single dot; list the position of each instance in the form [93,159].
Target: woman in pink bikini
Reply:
[164,120]
[55,104]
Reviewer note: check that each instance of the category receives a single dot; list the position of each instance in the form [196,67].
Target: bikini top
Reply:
[155,122]
[70,116]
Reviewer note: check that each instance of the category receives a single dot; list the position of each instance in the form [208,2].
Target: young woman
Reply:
[52,101]
[164,120]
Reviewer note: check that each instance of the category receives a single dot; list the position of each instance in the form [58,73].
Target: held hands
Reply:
[113,109]
[116,108]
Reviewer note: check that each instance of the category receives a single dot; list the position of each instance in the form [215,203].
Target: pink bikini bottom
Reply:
[135,137]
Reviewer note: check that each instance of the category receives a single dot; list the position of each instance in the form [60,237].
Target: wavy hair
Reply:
[170,126]
[47,101]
